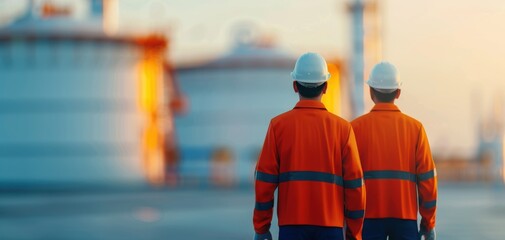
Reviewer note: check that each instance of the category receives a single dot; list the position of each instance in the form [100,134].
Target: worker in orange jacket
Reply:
[310,154]
[399,170]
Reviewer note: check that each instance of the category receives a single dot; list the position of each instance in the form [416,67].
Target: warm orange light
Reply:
[153,149]
[150,94]
[49,10]
[331,99]
[150,74]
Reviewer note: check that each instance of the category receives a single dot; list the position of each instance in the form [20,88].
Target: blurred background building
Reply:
[487,163]
[231,101]
[81,105]
[83,102]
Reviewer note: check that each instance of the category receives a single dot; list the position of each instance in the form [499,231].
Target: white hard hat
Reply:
[311,68]
[384,78]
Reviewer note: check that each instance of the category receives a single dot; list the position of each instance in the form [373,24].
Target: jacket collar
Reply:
[385,107]
[310,104]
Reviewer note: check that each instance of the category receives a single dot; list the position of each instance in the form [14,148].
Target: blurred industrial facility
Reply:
[81,105]
[84,105]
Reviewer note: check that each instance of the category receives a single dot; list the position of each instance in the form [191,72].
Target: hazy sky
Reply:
[452,59]
[450,53]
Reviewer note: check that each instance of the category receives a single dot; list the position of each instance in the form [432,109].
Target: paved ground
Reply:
[465,212]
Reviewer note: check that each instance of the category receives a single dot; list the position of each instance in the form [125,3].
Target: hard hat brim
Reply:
[307,79]
[377,86]
[310,85]
[385,90]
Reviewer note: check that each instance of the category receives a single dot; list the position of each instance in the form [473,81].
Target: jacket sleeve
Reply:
[266,181]
[426,182]
[354,188]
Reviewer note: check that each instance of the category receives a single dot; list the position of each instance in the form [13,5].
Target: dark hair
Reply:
[384,97]
[310,92]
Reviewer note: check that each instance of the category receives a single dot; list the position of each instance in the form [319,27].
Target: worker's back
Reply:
[311,142]
[397,165]
[312,157]
[395,157]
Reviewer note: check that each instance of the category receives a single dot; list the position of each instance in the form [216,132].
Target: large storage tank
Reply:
[231,101]
[78,105]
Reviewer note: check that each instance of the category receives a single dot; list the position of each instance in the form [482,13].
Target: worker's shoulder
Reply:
[364,119]
[338,119]
[411,120]
[282,116]
[323,114]
[360,119]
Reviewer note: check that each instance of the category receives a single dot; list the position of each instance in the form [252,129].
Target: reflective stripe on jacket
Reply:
[397,165]
[311,155]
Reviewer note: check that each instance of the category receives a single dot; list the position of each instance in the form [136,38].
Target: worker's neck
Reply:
[377,102]
[318,98]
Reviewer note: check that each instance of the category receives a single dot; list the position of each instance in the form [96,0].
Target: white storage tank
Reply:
[231,101]
[78,106]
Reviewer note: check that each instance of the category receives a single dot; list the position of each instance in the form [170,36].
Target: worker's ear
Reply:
[372,96]
[295,87]
[398,92]
[325,87]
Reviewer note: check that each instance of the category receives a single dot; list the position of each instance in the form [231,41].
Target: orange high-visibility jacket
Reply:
[311,155]
[397,164]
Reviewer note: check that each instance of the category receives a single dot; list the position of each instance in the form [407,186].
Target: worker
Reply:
[397,164]
[310,154]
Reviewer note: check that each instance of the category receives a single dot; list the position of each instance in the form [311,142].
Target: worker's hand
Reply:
[428,235]
[264,236]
